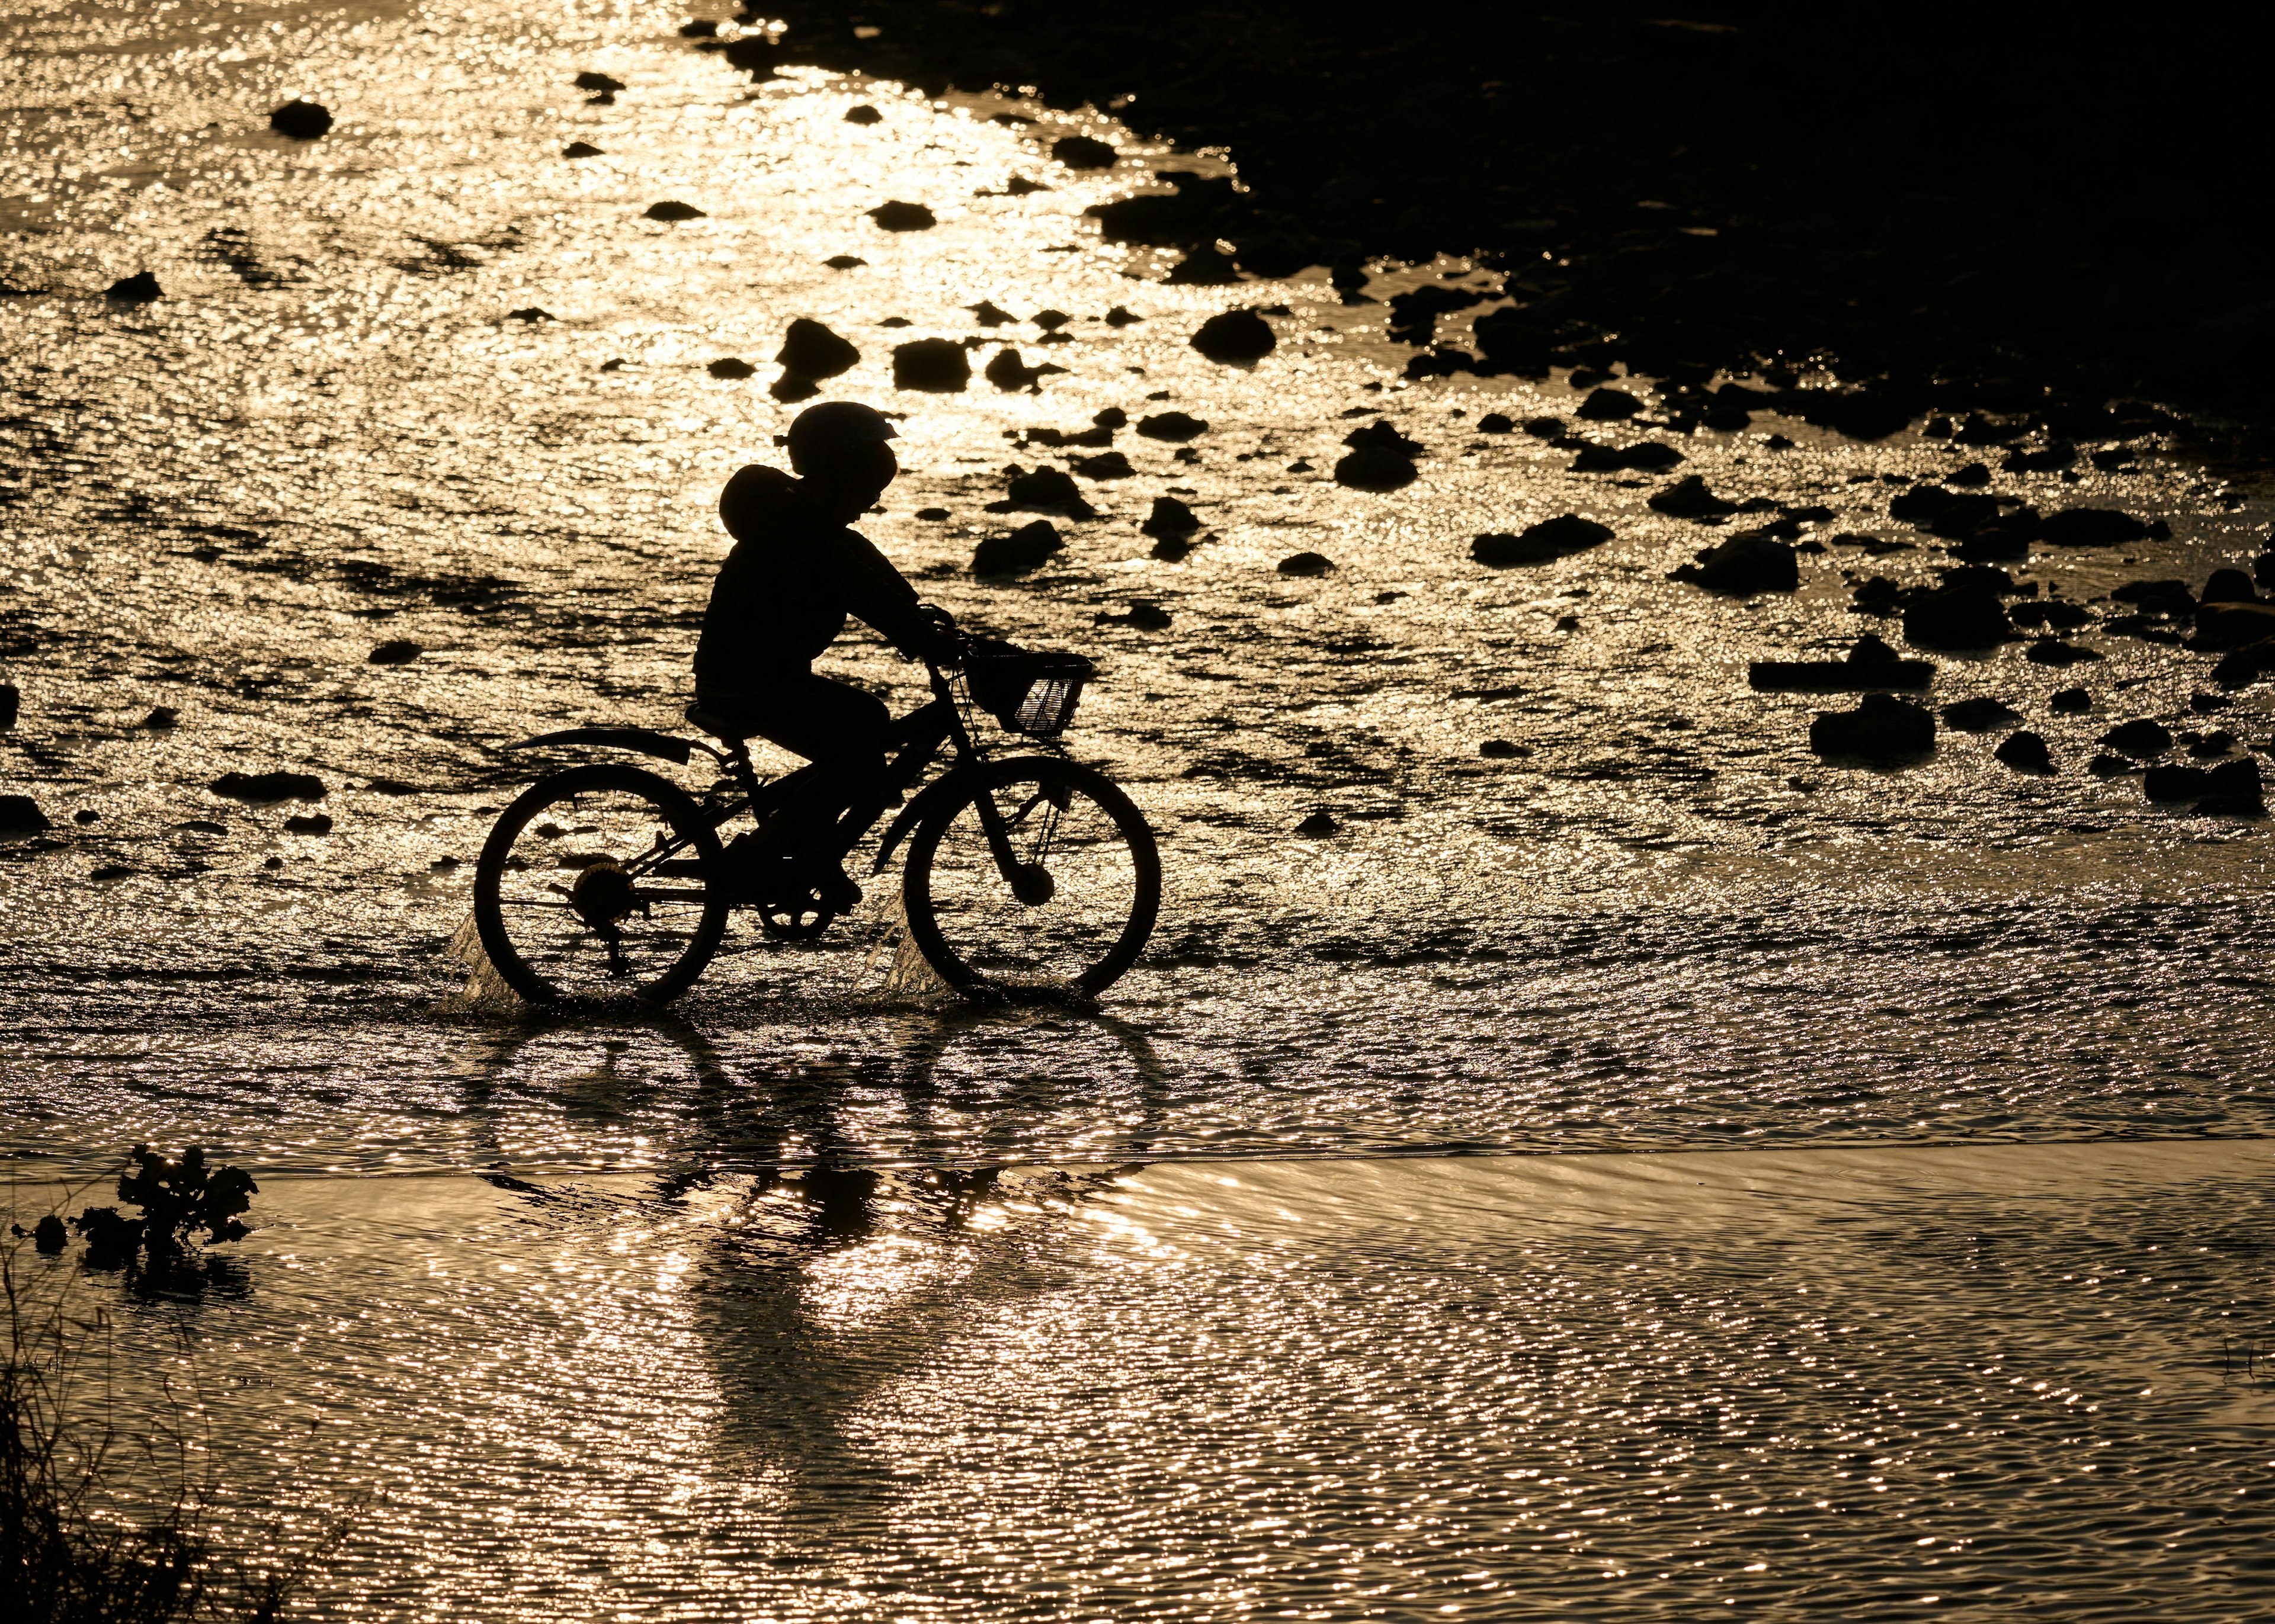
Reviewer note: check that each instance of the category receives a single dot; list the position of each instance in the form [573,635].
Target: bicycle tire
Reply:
[672,804]
[920,904]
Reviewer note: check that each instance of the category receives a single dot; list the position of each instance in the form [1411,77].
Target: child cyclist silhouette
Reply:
[796,570]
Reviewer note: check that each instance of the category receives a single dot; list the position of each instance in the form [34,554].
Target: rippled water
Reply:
[1565,1386]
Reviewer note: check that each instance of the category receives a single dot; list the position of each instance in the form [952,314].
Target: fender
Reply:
[646,741]
[932,794]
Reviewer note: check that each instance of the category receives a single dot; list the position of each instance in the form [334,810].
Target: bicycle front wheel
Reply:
[601,884]
[1083,890]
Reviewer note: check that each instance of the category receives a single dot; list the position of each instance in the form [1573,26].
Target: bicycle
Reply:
[1027,875]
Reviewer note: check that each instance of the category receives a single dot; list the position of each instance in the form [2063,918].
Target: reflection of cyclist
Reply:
[796,572]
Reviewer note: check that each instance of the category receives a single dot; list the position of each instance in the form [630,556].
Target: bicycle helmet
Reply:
[822,434]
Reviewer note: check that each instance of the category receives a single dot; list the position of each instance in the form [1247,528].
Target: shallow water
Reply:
[1376,1386]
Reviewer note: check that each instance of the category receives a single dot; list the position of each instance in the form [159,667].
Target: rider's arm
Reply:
[878,594]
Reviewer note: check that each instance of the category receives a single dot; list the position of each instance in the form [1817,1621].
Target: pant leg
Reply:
[835,725]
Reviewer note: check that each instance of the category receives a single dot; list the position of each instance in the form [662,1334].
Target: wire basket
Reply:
[1026,692]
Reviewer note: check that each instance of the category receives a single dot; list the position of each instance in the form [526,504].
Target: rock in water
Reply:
[1318,825]
[811,351]
[580,149]
[11,702]
[1882,728]
[1234,337]
[2229,586]
[1169,517]
[1049,490]
[309,823]
[2071,702]
[1495,423]
[1745,565]
[1006,370]
[864,114]
[303,121]
[670,209]
[20,814]
[1104,465]
[2025,752]
[262,788]
[898,216]
[1980,715]
[1538,544]
[2140,739]
[1204,267]
[1608,406]
[1511,342]
[791,389]
[2090,527]
[754,54]
[139,289]
[1081,152]
[934,364]
[2236,792]
[395,651]
[730,368]
[1175,427]
[1964,616]
[1380,436]
[599,84]
[2176,783]
[1689,498]
[1370,468]
[1028,548]
[1306,563]
[987,313]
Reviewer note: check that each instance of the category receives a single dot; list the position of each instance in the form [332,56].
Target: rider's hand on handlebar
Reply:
[947,641]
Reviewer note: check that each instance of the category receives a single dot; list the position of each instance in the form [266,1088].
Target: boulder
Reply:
[2071,702]
[1502,749]
[2229,586]
[1509,341]
[2176,783]
[1234,337]
[2236,791]
[1104,465]
[989,313]
[1175,427]
[599,84]
[260,789]
[139,289]
[1689,498]
[898,216]
[1028,548]
[1960,616]
[1204,267]
[1370,468]
[1545,428]
[1008,371]
[1980,715]
[1114,418]
[1121,316]
[309,823]
[1645,456]
[2025,752]
[863,113]
[811,351]
[531,312]
[580,149]
[1882,728]
[1318,825]
[1169,517]
[1745,565]
[395,651]
[2090,527]
[1495,423]
[789,388]
[1306,563]
[936,365]
[2245,665]
[20,814]
[2262,568]
[670,209]
[2055,652]
[731,368]
[754,54]
[1542,543]
[1081,152]
[1381,436]
[1608,405]
[2140,739]
[1049,490]
[12,704]
[303,121]
[2232,625]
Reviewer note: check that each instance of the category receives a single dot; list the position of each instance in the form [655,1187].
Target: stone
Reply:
[863,113]
[1607,406]
[1545,428]
[1980,715]
[844,262]
[260,789]
[12,704]
[1958,616]
[2216,743]
[2232,625]
[1645,456]
[395,651]
[2236,792]
[2055,652]
[933,515]
[1370,468]
[1881,728]
[2090,527]
[2228,586]
[730,368]
[2025,752]
[303,121]
[811,351]
[1509,341]
[1234,337]
[580,149]
[672,210]
[531,312]
[1204,267]
[989,313]
[1974,475]
[2140,739]
[2106,765]
[1318,825]
[599,84]
[1106,466]
[2072,702]
[1542,543]
[1028,548]
[791,389]
[1049,490]
[1083,152]
[1495,423]
[111,871]
[899,216]
[309,823]
[139,289]
[1175,427]
[20,814]
[162,717]
[937,364]
[2245,665]
[2176,783]
[702,29]
[1306,563]
[1689,498]
[1745,565]
[1380,435]
[1169,517]
[1006,371]
[754,54]
[1502,749]
[1121,316]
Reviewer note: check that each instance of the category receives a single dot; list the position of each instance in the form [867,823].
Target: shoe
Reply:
[836,888]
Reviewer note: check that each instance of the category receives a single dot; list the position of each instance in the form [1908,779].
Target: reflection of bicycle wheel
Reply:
[574,898]
[1078,904]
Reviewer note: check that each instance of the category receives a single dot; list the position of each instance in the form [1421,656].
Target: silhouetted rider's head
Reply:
[840,447]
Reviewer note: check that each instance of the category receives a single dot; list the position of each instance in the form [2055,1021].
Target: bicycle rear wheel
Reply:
[601,884]
[1087,863]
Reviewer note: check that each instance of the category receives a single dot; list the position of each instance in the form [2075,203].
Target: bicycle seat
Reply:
[717,726]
